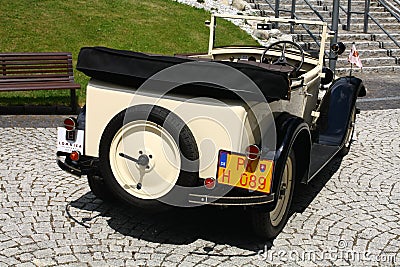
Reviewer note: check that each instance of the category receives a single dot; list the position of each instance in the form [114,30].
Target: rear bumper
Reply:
[224,195]
[231,200]
[85,165]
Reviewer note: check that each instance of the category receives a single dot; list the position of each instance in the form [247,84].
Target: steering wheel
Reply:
[282,59]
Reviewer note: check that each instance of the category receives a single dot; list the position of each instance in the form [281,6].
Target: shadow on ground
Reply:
[181,226]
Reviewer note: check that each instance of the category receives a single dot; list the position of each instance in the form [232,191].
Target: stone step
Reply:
[372,8]
[359,4]
[345,36]
[360,20]
[367,45]
[376,15]
[363,44]
[298,7]
[307,13]
[368,55]
[356,3]
[360,45]
[371,53]
[303,6]
[389,45]
[371,62]
[381,69]
[287,6]
[352,35]
[394,53]
[264,13]
[366,49]
[343,15]
[369,36]
[390,27]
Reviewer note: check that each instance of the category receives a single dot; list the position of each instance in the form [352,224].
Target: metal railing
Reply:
[367,16]
[316,12]
[277,10]
[335,17]
[394,11]
[333,28]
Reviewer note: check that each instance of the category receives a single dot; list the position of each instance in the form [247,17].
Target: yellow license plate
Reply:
[236,170]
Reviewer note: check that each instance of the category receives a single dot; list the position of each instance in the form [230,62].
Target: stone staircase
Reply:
[377,51]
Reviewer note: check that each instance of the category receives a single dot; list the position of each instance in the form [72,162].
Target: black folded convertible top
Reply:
[133,68]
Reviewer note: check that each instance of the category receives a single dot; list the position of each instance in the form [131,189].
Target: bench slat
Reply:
[20,54]
[28,67]
[39,86]
[33,62]
[28,56]
[32,72]
[48,78]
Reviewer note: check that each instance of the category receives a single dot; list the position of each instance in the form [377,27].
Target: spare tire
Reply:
[147,154]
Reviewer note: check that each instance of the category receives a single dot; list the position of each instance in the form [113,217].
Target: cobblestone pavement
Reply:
[349,215]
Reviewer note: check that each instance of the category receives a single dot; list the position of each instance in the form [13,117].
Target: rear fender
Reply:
[336,109]
[292,132]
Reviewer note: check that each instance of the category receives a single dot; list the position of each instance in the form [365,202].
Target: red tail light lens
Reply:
[209,183]
[74,156]
[253,152]
[70,124]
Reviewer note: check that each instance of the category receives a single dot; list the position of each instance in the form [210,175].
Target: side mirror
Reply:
[338,48]
[207,23]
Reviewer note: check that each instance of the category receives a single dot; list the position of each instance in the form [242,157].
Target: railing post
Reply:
[277,12]
[277,8]
[292,13]
[334,28]
[348,15]
[366,15]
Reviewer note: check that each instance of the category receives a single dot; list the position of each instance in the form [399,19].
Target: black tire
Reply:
[349,134]
[169,122]
[99,188]
[264,224]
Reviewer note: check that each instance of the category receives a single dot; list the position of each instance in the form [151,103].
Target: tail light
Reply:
[209,183]
[70,124]
[253,152]
[75,155]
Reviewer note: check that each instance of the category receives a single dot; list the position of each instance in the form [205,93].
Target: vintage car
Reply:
[236,126]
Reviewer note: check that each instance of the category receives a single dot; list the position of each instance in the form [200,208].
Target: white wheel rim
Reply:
[276,215]
[161,173]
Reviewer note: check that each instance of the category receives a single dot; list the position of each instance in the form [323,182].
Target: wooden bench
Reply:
[38,71]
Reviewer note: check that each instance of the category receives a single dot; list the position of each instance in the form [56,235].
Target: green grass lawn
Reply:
[156,26]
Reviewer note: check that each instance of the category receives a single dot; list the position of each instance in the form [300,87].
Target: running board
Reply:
[320,156]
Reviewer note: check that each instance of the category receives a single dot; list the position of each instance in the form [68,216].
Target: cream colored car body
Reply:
[214,125]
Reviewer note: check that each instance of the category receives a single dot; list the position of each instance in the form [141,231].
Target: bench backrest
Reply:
[36,67]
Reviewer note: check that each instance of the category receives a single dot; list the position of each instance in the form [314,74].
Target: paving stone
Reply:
[65,259]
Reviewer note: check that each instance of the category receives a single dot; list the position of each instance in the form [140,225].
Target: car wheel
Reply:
[268,224]
[142,155]
[349,134]
[99,188]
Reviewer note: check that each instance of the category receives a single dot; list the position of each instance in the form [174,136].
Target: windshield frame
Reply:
[323,35]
